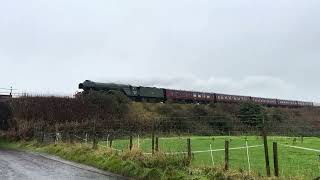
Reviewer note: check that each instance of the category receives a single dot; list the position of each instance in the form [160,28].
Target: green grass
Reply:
[131,163]
[292,162]
[8,144]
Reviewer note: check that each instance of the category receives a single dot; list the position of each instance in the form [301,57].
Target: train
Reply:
[154,94]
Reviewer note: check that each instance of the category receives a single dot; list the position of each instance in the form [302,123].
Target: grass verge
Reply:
[132,163]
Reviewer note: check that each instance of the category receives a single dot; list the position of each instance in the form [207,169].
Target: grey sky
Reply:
[268,48]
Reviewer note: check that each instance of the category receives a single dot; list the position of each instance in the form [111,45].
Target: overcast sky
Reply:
[268,48]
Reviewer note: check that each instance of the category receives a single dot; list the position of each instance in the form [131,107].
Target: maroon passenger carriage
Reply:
[203,97]
[189,96]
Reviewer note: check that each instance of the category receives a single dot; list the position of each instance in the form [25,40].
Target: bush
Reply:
[5,116]
[252,114]
[49,114]
[102,103]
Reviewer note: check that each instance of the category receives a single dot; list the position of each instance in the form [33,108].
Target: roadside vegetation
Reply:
[134,163]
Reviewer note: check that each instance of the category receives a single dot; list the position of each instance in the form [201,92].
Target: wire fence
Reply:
[254,144]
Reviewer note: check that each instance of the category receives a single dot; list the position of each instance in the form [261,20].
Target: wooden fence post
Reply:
[266,153]
[94,142]
[110,142]
[152,141]
[42,137]
[56,138]
[71,137]
[68,137]
[130,146]
[275,159]
[157,144]
[226,155]
[189,149]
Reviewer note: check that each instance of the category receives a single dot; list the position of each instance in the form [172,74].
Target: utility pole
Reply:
[8,89]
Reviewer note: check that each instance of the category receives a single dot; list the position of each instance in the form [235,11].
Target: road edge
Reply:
[78,165]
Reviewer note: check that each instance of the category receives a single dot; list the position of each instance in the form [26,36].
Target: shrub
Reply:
[5,116]
[252,114]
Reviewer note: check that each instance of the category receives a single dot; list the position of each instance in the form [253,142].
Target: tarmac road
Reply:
[16,165]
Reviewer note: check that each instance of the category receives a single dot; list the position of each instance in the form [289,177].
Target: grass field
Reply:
[292,161]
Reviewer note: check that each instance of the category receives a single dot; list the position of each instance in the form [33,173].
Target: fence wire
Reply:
[299,141]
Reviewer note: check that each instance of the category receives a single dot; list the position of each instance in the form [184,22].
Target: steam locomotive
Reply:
[153,94]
